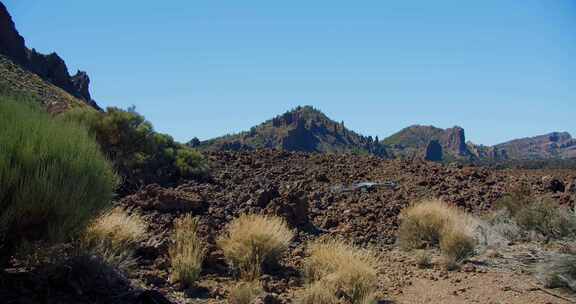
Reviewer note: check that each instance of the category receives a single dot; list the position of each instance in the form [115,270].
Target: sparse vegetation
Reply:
[141,155]
[435,223]
[539,215]
[318,293]
[245,292]
[255,241]
[560,271]
[343,267]
[54,177]
[456,246]
[113,236]
[423,259]
[188,251]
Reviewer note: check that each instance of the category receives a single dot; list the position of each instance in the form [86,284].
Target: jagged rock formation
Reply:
[430,143]
[552,145]
[49,67]
[302,129]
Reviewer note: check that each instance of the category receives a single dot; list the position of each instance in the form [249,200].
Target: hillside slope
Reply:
[50,68]
[552,145]
[16,80]
[303,129]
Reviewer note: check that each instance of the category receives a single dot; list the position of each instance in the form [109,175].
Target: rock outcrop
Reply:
[51,67]
[430,143]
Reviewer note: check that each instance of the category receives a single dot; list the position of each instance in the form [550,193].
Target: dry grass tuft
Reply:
[255,241]
[187,252]
[349,270]
[423,259]
[435,223]
[245,292]
[117,227]
[113,236]
[318,293]
[456,246]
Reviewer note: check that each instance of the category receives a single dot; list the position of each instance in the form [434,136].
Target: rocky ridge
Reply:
[303,129]
[50,68]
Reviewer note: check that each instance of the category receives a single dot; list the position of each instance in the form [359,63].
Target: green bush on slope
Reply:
[140,155]
[53,176]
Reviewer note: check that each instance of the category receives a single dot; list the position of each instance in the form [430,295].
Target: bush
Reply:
[245,293]
[343,267]
[188,251]
[540,215]
[113,236]
[255,241]
[547,218]
[560,271]
[141,155]
[52,175]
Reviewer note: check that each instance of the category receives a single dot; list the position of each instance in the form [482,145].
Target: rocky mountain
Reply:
[50,68]
[303,129]
[552,145]
[436,144]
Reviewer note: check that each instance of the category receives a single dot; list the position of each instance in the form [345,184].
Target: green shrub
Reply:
[547,218]
[141,155]
[53,176]
[540,215]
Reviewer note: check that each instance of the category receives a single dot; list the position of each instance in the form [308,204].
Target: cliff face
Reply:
[430,143]
[49,67]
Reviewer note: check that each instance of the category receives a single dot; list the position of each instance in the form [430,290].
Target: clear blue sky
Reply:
[499,68]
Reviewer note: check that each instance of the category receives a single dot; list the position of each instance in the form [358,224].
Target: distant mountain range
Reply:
[309,130]
[23,70]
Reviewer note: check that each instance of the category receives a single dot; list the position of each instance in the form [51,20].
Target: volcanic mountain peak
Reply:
[302,129]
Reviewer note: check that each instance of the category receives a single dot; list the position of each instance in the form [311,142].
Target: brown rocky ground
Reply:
[320,194]
[315,193]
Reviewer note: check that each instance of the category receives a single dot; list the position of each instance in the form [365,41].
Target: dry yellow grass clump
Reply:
[435,223]
[343,268]
[253,241]
[318,293]
[113,236]
[187,252]
[117,227]
[245,292]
